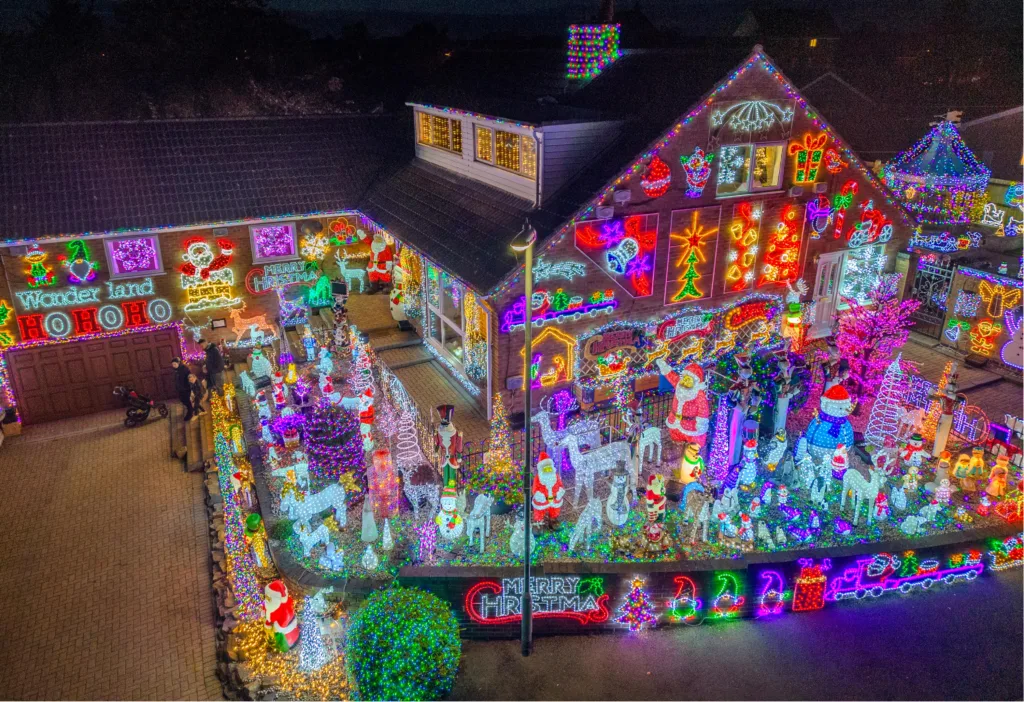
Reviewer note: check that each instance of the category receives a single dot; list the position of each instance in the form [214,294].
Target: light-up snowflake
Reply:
[732,162]
[314,248]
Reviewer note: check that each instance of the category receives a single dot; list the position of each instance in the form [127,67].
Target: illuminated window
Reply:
[767,172]
[484,144]
[440,132]
[814,43]
[529,161]
[743,168]
[506,150]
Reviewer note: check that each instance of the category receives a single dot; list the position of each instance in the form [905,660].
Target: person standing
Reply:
[182,386]
[214,365]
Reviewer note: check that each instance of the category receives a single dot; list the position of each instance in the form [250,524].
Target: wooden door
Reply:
[826,293]
[78,377]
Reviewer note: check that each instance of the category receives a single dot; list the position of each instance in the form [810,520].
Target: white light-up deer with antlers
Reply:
[586,431]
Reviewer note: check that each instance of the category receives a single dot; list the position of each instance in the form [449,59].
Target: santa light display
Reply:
[382,261]
[548,492]
[688,417]
[279,616]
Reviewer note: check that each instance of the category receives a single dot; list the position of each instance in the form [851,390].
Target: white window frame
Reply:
[108,250]
[451,121]
[751,189]
[274,259]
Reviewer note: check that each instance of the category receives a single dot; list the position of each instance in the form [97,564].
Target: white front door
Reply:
[826,293]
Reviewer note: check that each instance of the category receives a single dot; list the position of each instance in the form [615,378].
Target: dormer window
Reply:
[440,132]
[507,150]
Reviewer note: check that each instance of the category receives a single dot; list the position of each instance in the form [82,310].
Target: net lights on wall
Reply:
[592,48]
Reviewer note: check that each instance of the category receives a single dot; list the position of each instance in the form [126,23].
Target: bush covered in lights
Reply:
[333,445]
[403,644]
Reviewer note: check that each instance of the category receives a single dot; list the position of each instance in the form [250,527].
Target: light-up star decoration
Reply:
[687,250]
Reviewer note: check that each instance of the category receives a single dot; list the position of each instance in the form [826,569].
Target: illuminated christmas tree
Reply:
[931,418]
[885,413]
[498,476]
[637,609]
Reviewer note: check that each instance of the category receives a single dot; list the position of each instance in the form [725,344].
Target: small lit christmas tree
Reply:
[637,609]
[885,413]
[498,475]
[313,654]
[931,418]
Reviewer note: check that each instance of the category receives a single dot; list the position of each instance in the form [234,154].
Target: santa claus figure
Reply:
[447,439]
[548,492]
[364,404]
[382,260]
[881,507]
[688,417]
[655,497]
[279,616]
[279,397]
[839,462]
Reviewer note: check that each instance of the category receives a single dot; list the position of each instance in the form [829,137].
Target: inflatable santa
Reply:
[279,616]
[364,404]
[547,491]
[382,260]
[688,417]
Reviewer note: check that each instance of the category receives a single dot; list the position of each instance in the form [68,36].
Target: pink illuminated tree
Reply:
[869,333]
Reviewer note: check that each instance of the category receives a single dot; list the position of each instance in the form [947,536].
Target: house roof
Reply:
[81,178]
[463,224]
[997,139]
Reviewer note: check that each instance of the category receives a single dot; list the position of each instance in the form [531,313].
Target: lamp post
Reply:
[524,242]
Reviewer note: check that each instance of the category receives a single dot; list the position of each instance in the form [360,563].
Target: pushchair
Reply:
[139,406]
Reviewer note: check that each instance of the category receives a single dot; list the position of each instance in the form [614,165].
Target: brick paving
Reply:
[104,564]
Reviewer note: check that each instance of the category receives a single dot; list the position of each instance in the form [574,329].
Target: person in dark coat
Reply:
[182,387]
[214,365]
[198,393]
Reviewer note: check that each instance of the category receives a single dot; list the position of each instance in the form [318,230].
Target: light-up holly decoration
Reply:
[743,235]
[697,167]
[782,254]
[873,226]
[841,203]
[38,273]
[657,178]
[78,263]
[688,254]
[809,154]
[819,215]
[624,247]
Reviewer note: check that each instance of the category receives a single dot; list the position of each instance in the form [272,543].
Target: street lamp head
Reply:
[526,238]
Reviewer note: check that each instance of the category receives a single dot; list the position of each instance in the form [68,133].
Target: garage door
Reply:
[76,378]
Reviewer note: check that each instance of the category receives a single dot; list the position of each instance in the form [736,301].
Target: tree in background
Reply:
[498,475]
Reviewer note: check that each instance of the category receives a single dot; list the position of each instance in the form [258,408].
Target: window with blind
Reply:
[440,132]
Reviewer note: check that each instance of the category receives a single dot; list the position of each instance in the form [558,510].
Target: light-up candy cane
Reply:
[841,203]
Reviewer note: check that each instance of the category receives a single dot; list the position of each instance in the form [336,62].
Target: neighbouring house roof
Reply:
[998,139]
[81,178]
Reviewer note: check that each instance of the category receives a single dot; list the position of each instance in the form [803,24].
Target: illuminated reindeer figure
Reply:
[586,431]
[257,326]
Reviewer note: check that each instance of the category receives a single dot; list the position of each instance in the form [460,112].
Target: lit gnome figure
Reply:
[382,260]
[279,397]
[688,418]
[364,405]
[656,497]
[839,462]
[914,452]
[829,428]
[396,301]
[748,469]
[547,493]
[449,522]
[279,616]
